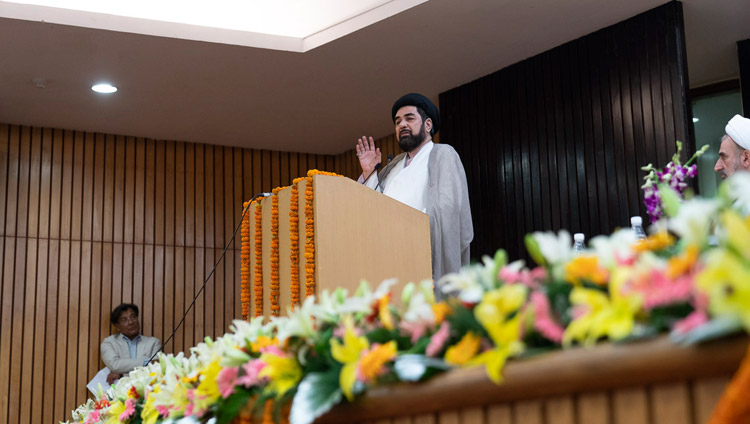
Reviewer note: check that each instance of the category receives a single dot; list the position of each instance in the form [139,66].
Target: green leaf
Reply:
[414,367]
[663,317]
[462,321]
[670,200]
[317,394]
[380,335]
[533,247]
[231,406]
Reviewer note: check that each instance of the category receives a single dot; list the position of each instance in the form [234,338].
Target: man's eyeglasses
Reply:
[126,320]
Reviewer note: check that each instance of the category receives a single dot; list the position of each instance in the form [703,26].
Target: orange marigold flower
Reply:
[372,362]
[658,241]
[682,264]
[440,310]
[463,351]
[585,267]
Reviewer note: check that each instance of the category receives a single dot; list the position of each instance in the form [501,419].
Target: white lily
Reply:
[694,220]
[299,322]
[609,249]
[556,248]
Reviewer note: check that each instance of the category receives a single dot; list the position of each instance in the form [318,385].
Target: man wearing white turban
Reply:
[734,153]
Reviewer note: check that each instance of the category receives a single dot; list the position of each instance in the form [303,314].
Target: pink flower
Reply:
[93,417]
[698,317]
[437,341]
[251,369]
[226,380]
[340,331]
[163,411]
[273,350]
[129,410]
[695,319]
[659,290]
[543,321]
[415,329]
[530,278]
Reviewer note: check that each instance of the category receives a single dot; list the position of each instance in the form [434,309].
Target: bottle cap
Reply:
[579,237]
[636,221]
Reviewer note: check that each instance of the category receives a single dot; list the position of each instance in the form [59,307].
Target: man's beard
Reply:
[409,142]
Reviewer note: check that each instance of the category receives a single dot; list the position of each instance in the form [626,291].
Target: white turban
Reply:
[739,129]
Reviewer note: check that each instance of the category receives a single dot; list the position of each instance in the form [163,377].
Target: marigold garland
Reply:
[309,239]
[258,259]
[294,243]
[310,231]
[274,286]
[268,412]
[245,261]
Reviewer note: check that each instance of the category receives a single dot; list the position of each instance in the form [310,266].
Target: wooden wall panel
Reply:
[557,141]
[91,220]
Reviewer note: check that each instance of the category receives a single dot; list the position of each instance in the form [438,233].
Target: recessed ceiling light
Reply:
[104,88]
[695,120]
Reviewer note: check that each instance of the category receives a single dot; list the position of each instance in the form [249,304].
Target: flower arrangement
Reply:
[333,347]
[675,176]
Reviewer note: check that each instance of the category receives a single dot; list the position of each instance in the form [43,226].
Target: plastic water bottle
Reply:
[636,223]
[578,243]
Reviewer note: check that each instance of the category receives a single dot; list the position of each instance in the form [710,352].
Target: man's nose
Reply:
[717,167]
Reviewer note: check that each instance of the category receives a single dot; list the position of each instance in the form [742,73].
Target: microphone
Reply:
[378,165]
[374,171]
[210,274]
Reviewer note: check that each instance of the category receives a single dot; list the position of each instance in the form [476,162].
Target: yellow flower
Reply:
[613,317]
[497,305]
[726,279]
[371,364]
[585,267]
[507,343]
[283,373]
[115,409]
[658,241]
[440,310]
[384,312]
[348,354]
[149,414]
[263,341]
[463,351]
[738,233]
[207,391]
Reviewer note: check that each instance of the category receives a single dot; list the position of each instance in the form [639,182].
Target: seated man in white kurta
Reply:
[428,177]
[127,349]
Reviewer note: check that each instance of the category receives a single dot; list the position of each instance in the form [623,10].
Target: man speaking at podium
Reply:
[426,176]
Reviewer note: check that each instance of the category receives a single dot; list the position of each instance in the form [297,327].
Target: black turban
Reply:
[422,102]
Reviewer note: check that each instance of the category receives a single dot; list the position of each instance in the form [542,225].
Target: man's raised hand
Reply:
[368,155]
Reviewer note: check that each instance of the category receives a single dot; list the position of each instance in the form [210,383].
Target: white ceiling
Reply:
[319,101]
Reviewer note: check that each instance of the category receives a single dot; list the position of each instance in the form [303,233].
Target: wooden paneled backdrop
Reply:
[557,141]
[88,221]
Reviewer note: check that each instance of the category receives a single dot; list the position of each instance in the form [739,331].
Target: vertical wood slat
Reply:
[593,408]
[560,410]
[671,403]
[630,406]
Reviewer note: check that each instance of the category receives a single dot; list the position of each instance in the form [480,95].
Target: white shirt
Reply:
[407,183]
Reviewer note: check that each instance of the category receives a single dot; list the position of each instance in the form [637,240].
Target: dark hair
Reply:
[114,317]
[424,116]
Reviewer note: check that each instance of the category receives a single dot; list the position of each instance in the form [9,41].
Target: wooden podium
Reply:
[359,234]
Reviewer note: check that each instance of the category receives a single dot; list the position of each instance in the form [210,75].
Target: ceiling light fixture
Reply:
[104,88]
[695,120]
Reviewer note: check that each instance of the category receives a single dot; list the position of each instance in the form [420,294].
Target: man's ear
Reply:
[428,125]
[745,159]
